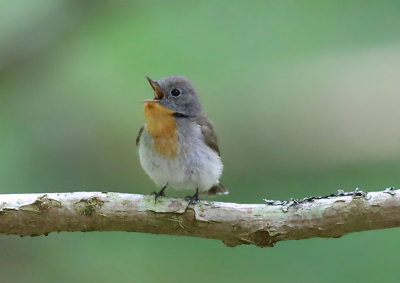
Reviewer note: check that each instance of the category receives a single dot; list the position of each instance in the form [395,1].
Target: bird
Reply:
[178,146]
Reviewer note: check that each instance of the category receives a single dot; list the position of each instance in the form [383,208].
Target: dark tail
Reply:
[218,189]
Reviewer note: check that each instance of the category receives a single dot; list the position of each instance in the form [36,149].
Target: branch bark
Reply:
[235,224]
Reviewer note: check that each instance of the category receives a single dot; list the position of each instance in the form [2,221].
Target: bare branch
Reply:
[257,224]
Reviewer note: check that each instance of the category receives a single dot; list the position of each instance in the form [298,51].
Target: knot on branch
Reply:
[42,203]
[88,206]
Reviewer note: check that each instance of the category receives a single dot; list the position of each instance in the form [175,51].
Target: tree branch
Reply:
[235,224]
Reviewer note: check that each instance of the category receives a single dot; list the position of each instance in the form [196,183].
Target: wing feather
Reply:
[139,135]
[209,135]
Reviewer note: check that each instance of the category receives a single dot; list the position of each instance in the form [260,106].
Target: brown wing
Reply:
[208,133]
[138,136]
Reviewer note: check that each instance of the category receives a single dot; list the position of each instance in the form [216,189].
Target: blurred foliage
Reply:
[304,96]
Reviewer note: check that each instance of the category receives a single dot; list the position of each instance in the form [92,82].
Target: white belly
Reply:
[196,166]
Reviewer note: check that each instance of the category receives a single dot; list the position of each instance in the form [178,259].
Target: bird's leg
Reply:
[159,194]
[193,199]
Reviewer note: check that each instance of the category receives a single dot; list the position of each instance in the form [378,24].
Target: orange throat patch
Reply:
[162,127]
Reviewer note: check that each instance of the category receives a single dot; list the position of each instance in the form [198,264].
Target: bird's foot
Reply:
[159,194]
[193,199]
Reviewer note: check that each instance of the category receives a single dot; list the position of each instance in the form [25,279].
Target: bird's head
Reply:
[177,94]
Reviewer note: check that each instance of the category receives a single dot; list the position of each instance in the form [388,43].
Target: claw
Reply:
[159,194]
[193,200]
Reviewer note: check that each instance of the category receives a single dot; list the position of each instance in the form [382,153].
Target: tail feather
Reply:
[218,189]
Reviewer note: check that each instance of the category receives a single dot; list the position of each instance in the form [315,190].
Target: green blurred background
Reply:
[305,97]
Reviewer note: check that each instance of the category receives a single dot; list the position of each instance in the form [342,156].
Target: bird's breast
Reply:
[161,125]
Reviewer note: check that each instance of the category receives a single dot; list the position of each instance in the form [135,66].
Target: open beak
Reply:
[159,93]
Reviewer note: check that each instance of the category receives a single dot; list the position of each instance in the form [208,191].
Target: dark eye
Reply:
[175,92]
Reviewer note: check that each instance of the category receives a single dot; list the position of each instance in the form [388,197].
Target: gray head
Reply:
[177,94]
